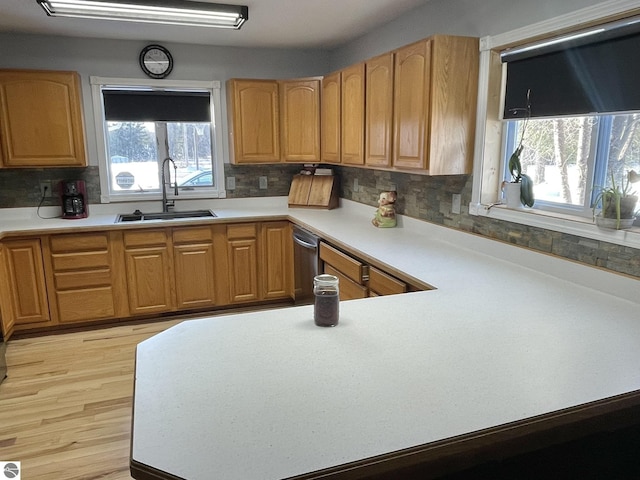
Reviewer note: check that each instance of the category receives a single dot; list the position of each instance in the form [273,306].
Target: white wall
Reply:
[476,18]
[119,58]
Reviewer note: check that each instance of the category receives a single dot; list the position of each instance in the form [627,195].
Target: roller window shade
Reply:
[599,74]
[137,106]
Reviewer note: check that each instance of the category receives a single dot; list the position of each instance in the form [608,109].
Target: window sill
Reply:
[147,197]
[568,224]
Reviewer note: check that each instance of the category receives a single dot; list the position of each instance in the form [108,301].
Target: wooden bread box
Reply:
[314,191]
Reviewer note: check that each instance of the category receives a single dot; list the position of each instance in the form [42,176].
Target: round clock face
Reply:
[156,61]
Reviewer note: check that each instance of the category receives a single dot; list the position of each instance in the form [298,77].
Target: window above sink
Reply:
[141,122]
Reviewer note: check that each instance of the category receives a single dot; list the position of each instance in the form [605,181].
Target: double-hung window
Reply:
[578,96]
[140,124]
[584,107]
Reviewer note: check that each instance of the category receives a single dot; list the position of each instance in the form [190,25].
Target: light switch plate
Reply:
[263,182]
[231,183]
[355,184]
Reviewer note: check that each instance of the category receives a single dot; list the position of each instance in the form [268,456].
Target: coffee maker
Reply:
[74,199]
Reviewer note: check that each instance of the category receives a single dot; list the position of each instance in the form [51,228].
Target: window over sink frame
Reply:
[125,188]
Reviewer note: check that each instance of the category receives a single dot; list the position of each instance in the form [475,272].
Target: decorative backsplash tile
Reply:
[419,196]
[429,198]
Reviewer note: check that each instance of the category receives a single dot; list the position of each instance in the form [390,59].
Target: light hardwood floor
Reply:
[65,409]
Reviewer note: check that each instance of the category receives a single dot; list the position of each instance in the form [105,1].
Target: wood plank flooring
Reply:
[65,408]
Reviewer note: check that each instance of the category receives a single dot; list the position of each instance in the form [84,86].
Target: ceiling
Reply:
[323,24]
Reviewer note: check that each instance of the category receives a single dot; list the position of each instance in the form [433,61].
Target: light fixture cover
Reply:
[171,12]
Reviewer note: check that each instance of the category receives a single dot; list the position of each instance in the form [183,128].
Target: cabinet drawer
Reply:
[79,243]
[348,288]
[349,266]
[81,260]
[145,238]
[80,280]
[384,284]
[247,230]
[85,305]
[192,235]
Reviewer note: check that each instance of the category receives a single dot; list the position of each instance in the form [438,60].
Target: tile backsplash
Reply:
[429,198]
[419,196]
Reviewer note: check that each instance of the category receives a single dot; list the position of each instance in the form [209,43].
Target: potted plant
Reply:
[522,179]
[520,190]
[618,203]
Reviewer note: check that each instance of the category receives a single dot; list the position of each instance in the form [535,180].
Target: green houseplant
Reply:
[515,165]
[618,203]
[526,184]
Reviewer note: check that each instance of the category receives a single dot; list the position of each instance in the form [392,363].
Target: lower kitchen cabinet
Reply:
[64,279]
[352,273]
[149,271]
[23,289]
[84,284]
[260,259]
[360,279]
[381,283]
[195,267]
[242,252]
[276,263]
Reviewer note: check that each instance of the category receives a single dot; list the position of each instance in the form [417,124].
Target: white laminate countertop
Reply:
[507,335]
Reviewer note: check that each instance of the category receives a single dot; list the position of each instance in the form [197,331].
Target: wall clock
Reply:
[156,61]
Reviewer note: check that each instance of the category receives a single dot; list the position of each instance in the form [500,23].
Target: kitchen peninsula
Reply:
[403,379]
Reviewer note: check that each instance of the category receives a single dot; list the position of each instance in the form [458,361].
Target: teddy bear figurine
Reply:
[386,212]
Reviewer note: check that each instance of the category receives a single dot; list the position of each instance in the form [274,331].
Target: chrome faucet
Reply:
[166,204]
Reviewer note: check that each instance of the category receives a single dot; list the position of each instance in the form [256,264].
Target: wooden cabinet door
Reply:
[352,148]
[149,272]
[277,260]
[41,121]
[24,293]
[379,111]
[254,121]
[300,120]
[411,105]
[454,64]
[194,267]
[242,251]
[330,118]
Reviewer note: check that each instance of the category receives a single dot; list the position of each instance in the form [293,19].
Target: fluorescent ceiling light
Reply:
[171,12]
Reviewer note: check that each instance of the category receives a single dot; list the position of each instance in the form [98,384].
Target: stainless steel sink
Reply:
[138,216]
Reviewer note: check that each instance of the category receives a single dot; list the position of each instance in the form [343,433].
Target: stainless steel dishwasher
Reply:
[306,263]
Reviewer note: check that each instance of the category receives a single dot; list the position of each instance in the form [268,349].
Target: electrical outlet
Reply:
[231,183]
[456,201]
[355,185]
[263,183]
[45,190]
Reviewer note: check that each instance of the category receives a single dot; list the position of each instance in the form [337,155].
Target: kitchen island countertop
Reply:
[510,341]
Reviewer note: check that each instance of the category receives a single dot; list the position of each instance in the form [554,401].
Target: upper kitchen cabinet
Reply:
[254,125]
[300,120]
[330,118]
[41,121]
[379,111]
[435,91]
[272,121]
[352,108]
